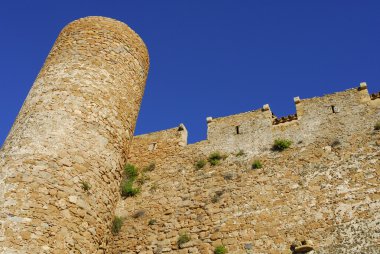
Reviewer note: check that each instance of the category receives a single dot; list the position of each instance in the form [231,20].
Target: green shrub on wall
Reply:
[215,158]
[182,239]
[152,222]
[221,249]
[117,223]
[200,164]
[256,164]
[127,189]
[281,144]
[86,186]
[130,171]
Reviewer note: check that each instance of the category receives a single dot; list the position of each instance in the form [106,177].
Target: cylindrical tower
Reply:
[61,165]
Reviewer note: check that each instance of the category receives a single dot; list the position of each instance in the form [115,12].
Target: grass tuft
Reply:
[152,222]
[200,164]
[86,186]
[182,239]
[221,249]
[256,164]
[127,189]
[117,223]
[281,144]
[130,171]
[215,158]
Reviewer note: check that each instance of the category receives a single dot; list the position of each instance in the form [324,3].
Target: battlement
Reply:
[63,176]
[322,189]
[255,130]
[375,96]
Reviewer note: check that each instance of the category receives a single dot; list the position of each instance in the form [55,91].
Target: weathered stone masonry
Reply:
[324,189]
[75,126]
[348,112]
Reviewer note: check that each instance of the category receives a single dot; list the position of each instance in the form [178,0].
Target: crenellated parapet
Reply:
[317,195]
[61,166]
[327,117]
[375,96]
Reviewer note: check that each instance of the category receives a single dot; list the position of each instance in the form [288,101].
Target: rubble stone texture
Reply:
[61,166]
[74,128]
[323,190]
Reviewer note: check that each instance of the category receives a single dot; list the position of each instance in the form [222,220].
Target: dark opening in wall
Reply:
[334,109]
[237,129]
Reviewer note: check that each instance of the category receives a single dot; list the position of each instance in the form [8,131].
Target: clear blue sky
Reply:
[208,58]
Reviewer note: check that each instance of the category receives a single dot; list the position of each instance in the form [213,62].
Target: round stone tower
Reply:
[61,165]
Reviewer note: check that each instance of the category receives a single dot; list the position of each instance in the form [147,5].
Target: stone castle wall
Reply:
[324,189]
[74,129]
[255,131]
[61,165]
[159,144]
[325,194]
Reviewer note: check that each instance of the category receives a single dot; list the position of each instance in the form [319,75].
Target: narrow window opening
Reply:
[152,147]
[334,109]
[237,129]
